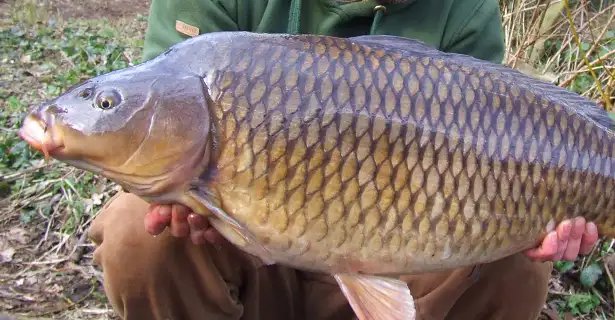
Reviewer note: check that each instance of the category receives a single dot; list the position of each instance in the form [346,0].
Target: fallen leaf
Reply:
[19,235]
[32,280]
[26,59]
[590,275]
[6,255]
[6,250]
[54,288]
[97,199]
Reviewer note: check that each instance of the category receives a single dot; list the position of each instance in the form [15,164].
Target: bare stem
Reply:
[605,97]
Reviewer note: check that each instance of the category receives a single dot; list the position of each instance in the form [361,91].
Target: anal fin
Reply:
[377,298]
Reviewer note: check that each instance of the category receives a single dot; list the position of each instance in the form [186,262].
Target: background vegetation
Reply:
[46,46]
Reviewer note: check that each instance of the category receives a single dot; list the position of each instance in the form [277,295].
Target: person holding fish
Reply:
[189,269]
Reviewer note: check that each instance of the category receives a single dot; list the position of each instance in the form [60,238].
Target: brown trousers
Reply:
[164,277]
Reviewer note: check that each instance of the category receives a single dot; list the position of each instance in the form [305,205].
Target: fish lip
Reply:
[36,133]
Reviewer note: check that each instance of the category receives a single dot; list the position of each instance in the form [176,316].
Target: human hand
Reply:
[566,242]
[182,222]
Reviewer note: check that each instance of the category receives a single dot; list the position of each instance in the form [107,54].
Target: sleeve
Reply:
[479,33]
[165,15]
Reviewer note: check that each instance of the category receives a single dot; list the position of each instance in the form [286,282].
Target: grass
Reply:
[46,265]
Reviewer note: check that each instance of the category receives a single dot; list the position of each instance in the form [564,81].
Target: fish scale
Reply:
[360,154]
[362,158]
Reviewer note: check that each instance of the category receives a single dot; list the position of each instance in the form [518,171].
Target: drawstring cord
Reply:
[294,19]
[380,11]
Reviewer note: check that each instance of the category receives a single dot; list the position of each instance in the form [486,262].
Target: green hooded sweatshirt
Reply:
[472,27]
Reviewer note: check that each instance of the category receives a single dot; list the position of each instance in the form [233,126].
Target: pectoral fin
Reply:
[377,298]
[230,228]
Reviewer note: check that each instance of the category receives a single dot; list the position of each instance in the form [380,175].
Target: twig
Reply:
[597,293]
[610,276]
[49,223]
[592,65]
[38,263]
[79,248]
[97,311]
[530,8]
[587,259]
[579,47]
[601,36]
[567,39]
[565,43]
[70,303]
[535,29]
[19,174]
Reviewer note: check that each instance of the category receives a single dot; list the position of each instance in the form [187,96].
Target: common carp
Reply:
[363,158]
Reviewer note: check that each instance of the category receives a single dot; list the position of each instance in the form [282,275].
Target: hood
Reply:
[393,1]
[380,10]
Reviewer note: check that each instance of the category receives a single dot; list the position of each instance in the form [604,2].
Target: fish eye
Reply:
[108,99]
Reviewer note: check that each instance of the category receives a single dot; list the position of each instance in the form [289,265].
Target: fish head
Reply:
[144,127]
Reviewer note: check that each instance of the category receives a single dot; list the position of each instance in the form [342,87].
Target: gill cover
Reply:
[142,127]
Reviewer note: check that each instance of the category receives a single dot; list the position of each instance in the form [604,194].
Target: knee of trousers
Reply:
[126,252]
[511,288]
[526,285]
[144,270]
[516,281]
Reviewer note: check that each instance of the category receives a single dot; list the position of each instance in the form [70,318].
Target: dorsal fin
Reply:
[396,42]
[579,104]
[602,116]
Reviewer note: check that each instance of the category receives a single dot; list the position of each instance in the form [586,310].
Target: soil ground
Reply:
[111,9]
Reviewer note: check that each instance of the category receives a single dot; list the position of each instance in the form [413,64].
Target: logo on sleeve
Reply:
[186,28]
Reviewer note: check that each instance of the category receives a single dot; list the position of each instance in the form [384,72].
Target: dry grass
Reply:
[46,265]
[570,45]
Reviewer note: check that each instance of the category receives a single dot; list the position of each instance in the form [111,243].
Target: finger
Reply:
[155,222]
[213,236]
[547,248]
[165,211]
[589,238]
[198,236]
[179,220]
[197,222]
[574,243]
[563,235]
[198,225]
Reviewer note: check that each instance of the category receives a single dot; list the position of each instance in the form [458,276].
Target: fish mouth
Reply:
[36,133]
